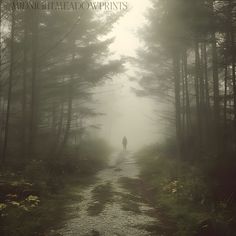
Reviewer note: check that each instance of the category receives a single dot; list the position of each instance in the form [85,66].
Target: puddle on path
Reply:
[107,209]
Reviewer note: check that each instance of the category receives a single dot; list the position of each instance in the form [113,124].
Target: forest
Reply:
[58,176]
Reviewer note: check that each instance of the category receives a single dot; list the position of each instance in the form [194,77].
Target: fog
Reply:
[126,113]
[112,118]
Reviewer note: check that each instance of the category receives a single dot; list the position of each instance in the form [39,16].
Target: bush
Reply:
[186,192]
[43,187]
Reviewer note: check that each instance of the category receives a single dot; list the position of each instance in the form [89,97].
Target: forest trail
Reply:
[110,207]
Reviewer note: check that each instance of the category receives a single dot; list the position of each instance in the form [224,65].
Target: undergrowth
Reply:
[188,194]
[34,192]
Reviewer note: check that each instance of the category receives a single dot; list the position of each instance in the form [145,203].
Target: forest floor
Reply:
[117,204]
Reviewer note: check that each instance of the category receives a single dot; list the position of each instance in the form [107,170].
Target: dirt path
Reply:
[109,207]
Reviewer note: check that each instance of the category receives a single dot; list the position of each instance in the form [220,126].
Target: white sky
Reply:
[126,114]
[125,31]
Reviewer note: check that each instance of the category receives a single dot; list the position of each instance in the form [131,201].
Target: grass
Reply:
[182,194]
[34,193]
[21,219]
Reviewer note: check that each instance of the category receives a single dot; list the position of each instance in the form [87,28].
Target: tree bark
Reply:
[69,117]
[215,82]
[176,70]
[188,109]
[1,110]
[24,83]
[9,95]
[206,82]
[198,97]
[232,36]
[34,98]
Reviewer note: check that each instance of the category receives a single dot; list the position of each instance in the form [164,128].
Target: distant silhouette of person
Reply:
[124,143]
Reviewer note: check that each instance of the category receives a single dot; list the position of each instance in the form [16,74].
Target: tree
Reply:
[57,59]
[9,95]
[190,33]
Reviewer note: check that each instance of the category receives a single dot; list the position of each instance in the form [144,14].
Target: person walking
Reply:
[124,143]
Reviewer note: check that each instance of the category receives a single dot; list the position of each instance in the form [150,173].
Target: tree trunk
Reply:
[198,97]
[188,109]
[183,99]
[34,98]
[9,95]
[215,82]
[202,84]
[69,116]
[1,111]
[24,84]
[176,66]
[226,79]
[232,36]
[206,82]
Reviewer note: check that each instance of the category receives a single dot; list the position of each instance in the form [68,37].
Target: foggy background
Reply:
[126,113]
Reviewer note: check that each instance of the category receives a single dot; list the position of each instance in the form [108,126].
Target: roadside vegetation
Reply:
[33,196]
[50,64]
[194,197]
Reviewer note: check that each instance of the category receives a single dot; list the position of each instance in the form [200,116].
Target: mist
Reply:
[125,114]
[117,118]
